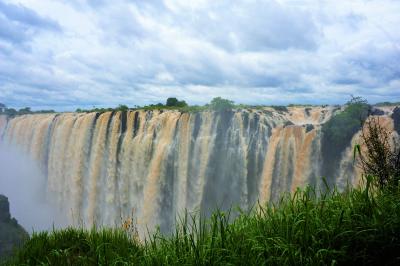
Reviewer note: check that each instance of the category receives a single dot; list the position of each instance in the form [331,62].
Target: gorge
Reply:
[101,168]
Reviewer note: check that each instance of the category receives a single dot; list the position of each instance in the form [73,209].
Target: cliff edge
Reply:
[11,233]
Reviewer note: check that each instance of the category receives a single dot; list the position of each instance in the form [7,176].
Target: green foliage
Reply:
[308,228]
[74,246]
[280,108]
[23,111]
[193,109]
[10,112]
[122,108]
[220,104]
[388,104]
[380,158]
[338,132]
[174,102]
[100,110]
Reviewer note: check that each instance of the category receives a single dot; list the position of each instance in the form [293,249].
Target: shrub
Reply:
[280,108]
[220,104]
[381,159]
[122,108]
[338,132]
[307,228]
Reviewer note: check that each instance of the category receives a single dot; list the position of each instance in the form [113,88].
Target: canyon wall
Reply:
[152,165]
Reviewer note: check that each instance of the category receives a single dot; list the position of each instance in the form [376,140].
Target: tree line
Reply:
[22,111]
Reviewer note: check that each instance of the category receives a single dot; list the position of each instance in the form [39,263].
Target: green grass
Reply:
[307,228]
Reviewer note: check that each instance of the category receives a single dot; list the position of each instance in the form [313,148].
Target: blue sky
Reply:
[73,53]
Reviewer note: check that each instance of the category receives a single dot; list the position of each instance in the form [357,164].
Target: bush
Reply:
[173,102]
[307,228]
[122,108]
[381,159]
[338,132]
[280,108]
[220,104]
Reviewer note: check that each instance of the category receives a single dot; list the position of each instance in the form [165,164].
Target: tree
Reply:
[122,108]
[26,110]
[10,112]
[181,104]
[2,107]
[220,104]
[172,102]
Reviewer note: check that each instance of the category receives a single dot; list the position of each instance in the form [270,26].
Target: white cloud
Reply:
[84,53]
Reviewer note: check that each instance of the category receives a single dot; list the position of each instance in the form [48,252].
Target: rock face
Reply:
[396,119]
[11,233]
[104,166]
[4,209]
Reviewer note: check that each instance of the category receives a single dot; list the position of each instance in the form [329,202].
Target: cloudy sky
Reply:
[73,53]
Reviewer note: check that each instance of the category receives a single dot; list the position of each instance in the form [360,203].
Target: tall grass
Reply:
[357,226]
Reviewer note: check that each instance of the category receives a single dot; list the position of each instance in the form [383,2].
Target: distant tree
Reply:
[182,104]
[10,112]
[122,108]
[220,104]
[26,110]
[172,102]
[2,107]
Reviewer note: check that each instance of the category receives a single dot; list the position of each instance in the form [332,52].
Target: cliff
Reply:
[11,233]
[154,164]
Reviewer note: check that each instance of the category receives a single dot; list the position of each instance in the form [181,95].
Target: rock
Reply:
[309,127]
[396,119]
[12,234]
[377,111]
[4,209]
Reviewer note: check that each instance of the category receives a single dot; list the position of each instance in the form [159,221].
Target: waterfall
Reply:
[152,165]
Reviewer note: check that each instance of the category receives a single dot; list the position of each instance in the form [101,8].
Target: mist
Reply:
[25,186]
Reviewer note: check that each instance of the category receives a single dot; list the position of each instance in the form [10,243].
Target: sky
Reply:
[65,54]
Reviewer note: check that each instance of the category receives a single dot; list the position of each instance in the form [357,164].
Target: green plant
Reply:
[122,108]
[173,102]
[338,132]
[381,158]
[220,104]
[280,108]
[310,227]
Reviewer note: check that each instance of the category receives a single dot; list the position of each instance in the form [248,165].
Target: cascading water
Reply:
[153,165]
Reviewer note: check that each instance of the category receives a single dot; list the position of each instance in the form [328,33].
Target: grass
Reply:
[307,228]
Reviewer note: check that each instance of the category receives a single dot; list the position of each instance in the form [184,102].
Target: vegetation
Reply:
[388,104]
[173,102]
[338,132]
[23,111]
[381,159]
[307,228]
[220,104]
[280,108]
[359,226]
[121,107]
